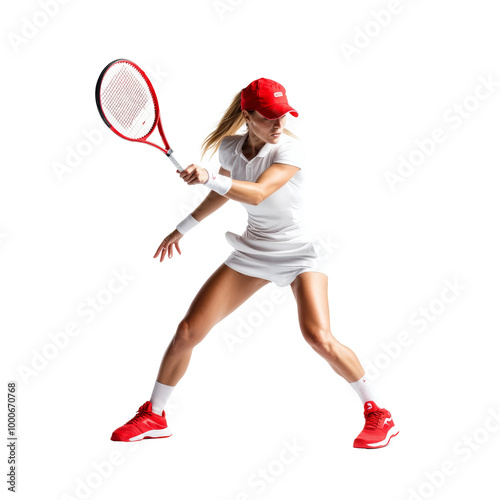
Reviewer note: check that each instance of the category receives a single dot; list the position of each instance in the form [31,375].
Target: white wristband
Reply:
[218,183]
[186,224]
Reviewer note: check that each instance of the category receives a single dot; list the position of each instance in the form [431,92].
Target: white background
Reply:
[62,236]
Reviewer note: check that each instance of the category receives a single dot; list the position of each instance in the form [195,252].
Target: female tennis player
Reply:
[262,169]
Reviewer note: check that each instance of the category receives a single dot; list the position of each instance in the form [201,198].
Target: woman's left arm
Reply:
[252,193]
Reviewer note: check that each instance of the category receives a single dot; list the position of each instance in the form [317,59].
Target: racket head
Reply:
[126,100]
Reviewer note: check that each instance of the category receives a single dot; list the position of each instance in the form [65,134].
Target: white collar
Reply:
[264,150]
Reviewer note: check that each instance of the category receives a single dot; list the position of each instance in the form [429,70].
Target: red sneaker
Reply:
[378,430]
[145,425]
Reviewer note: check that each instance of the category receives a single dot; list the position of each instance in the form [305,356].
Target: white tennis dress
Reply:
[276,245]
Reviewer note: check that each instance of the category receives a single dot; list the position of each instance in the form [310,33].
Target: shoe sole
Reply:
[152,434]
[392,432]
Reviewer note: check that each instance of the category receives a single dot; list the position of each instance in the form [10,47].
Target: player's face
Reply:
[264,129]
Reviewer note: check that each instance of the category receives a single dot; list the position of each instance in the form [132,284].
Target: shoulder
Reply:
[287,143]
[228,143]
[227,147]
[289,150]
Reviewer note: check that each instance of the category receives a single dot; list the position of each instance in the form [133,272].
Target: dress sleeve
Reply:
[290,153]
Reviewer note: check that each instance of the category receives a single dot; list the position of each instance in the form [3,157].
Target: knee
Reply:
[185,336]
[322,341]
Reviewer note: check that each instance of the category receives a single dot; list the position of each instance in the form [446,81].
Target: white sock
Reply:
[161,393]
[365,391]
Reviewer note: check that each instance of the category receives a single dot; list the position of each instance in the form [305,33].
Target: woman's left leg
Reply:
[311,293]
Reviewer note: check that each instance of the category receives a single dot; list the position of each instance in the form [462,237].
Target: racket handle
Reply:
[174,161]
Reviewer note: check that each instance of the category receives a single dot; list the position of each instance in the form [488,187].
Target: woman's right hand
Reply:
[167,245]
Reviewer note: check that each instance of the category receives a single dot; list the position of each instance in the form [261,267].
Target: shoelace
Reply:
[140,415]
[373,419]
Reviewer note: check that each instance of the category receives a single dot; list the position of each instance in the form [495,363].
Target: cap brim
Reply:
[277,111]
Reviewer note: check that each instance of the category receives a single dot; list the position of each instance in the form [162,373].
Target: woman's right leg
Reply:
[223,292]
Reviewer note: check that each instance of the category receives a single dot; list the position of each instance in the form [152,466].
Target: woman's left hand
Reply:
[194,174]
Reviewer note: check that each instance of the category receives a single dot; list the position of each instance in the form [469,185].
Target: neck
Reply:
[253,144]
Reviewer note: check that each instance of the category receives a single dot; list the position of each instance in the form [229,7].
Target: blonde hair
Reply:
[230,123]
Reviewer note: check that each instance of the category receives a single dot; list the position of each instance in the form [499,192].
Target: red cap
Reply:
[267,97]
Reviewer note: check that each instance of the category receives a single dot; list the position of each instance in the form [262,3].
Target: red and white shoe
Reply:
[378,430]
[145,425]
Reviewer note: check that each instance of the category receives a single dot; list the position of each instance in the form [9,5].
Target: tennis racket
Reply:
[127,103]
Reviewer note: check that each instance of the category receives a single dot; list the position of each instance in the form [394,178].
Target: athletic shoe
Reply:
[378,430]
[145,425]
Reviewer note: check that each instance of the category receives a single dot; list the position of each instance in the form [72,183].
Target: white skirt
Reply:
[277,261]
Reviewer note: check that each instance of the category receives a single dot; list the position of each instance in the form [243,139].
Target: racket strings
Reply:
[125,98]
[127,101]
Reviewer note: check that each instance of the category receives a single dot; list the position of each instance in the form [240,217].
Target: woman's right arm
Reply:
[208,206]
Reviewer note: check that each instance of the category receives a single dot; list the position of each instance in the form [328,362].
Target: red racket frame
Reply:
[167,150]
